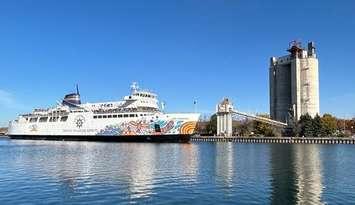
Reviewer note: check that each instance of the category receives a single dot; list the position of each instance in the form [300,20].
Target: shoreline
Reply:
[275,140]
[265,140]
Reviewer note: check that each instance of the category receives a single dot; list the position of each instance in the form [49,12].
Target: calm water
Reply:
[42,172]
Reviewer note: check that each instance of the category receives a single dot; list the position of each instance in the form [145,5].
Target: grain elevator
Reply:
[294,83]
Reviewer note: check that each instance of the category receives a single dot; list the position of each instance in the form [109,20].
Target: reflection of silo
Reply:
[308,174]
[283,183]
[296,173]
[224,164]
[294,88]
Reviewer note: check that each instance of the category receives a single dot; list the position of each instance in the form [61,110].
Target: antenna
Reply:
[195,105]
[77,89]
[162,105]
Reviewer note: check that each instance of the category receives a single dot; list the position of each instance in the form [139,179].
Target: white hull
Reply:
[84,124]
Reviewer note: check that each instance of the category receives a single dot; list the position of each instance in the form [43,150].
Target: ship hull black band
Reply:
[108,138]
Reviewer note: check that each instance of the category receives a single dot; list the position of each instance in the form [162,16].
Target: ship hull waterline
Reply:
[175,138]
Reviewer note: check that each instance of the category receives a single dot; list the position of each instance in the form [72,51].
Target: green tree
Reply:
[212,125]
[305,126]
[261,128]
[329,124]
[352,126]
[244,128]
[317,128]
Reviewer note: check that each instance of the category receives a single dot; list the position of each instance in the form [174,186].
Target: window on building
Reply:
[64,118]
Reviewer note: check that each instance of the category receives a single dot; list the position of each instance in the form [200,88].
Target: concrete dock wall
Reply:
[278,140]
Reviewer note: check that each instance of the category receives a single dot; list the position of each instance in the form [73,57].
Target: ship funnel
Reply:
[72,99]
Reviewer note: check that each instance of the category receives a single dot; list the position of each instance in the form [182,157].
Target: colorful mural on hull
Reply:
[143,127]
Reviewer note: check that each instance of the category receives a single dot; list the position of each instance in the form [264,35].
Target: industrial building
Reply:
[224,112]
[294,83]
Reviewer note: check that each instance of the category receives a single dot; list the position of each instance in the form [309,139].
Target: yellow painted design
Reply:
[188,128]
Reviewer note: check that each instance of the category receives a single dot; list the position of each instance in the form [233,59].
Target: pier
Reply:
[276,140]
[225,112]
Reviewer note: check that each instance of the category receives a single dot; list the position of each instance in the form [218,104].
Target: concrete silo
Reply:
[294,83]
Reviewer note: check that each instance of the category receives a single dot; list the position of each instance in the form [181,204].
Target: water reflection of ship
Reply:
[136,168]
[296,174]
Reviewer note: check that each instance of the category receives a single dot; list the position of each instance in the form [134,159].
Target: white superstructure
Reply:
[138,114]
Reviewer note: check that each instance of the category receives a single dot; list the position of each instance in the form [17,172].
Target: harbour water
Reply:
[42,172]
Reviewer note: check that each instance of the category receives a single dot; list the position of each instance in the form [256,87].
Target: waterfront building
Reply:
[224,112]
[294,84]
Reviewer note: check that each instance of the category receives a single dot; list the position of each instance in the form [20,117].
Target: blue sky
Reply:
[183,50]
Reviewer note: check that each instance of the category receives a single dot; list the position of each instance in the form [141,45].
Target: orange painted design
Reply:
[188,128]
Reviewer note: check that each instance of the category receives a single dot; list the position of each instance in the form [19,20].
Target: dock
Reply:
[275,140]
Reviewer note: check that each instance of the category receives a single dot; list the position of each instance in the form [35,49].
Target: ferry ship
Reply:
[136,118]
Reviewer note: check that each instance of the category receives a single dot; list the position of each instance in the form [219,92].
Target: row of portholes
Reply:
[117,116]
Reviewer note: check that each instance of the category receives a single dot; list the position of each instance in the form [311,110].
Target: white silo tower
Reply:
[294,83]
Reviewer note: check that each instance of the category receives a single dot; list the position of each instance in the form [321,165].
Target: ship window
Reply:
[63,119]
[114,116]
[43,119]
[104,116]
[109,116]
[119,115]
[55,119]
[141,114]
[157,128]
[136,115]
[95,117]
[100,116]
[33,119]
[131,115]
[125,115]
